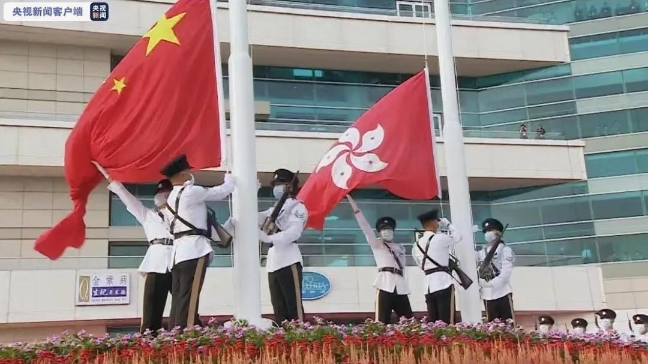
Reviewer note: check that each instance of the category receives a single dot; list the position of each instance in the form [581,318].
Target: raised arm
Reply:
[133,205]
[508,258]
[449,239]
[364,224]
[215,193]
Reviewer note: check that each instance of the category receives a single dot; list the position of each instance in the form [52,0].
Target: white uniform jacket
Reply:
[503,260]
[291,223]
[386,255]
[155,227]
[193,209]
[439,250]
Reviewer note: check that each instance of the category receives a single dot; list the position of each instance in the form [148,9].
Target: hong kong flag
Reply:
[392,145]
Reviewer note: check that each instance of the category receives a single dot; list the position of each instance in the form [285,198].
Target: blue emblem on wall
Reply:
[315,286]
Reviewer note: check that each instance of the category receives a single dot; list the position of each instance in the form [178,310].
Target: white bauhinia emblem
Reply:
[359,154]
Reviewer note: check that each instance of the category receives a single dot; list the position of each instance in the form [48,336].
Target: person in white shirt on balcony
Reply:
[432,254]
[192,250]
[155,265]
[391,282]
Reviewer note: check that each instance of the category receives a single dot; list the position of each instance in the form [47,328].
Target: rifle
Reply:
[269,227]
[453,266]
[486,270]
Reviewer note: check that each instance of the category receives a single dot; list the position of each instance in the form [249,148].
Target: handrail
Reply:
[330,260]
[282,124]
[389,12]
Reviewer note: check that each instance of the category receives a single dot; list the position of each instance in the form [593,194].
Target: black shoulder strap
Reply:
[425,254]
[400,265]
[175,214]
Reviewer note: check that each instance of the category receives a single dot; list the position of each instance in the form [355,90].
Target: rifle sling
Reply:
[194,230]
[439,267]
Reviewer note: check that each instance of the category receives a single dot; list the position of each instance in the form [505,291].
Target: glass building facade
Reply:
[557,225]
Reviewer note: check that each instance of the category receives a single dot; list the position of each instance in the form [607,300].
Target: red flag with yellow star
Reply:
[159,102]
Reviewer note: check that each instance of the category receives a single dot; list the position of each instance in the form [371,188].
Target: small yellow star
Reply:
[163,31]
[118,85]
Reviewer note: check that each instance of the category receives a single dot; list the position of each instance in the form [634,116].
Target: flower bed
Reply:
[410,341]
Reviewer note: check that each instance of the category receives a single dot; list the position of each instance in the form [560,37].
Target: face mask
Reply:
[490,236]
[387,235]
[606,324]
[543,329]
[579,330]
[639,329]
[278,190]
[160,199]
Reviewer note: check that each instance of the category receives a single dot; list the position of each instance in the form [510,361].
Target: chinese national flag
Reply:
[391,145]
[159,102]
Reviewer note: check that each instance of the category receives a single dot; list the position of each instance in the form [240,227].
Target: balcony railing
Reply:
[314,5]
[225,261]
[296,125]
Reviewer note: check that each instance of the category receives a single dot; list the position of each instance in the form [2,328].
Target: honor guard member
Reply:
[155,265]
[579,325]
[284,261]
[640,327]
[391,284]
[605,320]
[432,254]
[545,324]
[497,293]
[192,250]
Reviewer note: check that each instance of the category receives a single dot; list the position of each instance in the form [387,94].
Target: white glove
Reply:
[475,228]
[229,178]
[444,223]
[258,185]
[483,284]
[264,237]
[101,169]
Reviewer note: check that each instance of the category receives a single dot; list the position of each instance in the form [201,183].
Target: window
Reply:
[560,210]
[544,92]
[599,84]
[617,205]
[572,251]
[129,255]
[558,128]
[610,164]
[636,80]
[551,110]
[605,123]
[639,118]
[413,9]
[609,44]
[505,97]
[623,247]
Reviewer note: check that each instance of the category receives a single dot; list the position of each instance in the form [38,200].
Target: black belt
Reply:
[391,270]
[199,232]
[436,270]
[161,242]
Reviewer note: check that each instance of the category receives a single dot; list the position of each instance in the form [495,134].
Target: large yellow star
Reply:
[118,85]
[163,31]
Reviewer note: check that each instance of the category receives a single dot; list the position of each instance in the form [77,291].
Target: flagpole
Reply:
[247,284]
[219,87]
[458,188]
[434,144]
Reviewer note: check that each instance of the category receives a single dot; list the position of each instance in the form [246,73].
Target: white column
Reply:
[247,285]
[458,190]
